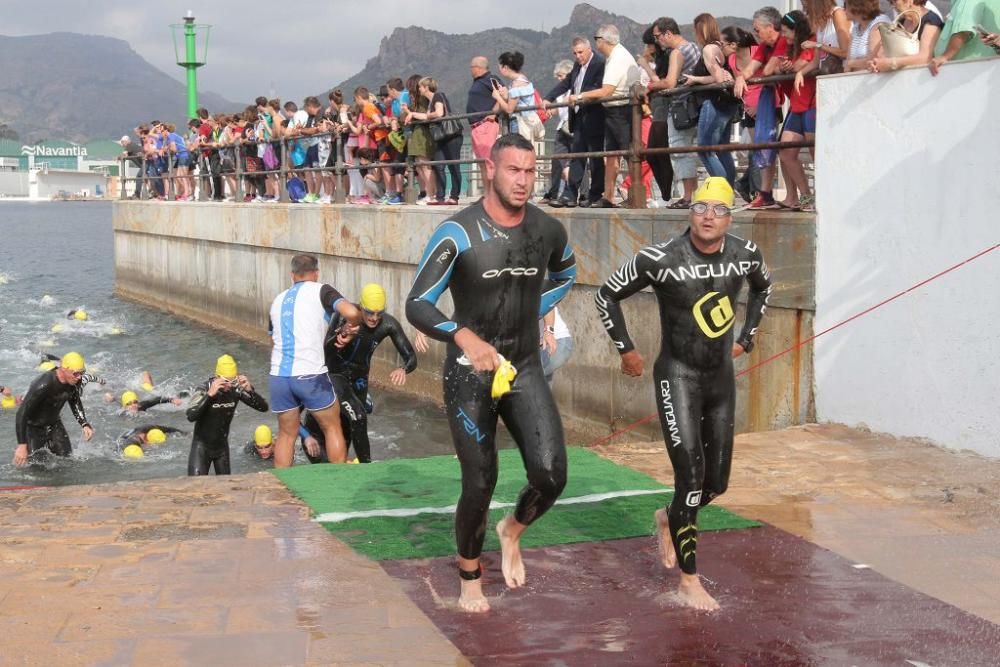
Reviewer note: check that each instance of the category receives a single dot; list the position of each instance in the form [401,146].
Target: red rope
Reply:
[18,488]
[644,420]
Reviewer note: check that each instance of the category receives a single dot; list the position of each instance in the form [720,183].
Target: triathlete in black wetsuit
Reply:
[493,256]
[349,363]
[38,424]
[212,409]
[696,278]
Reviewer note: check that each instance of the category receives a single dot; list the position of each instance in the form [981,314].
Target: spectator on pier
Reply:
[657,65]
[739,47]
[563,142]
[829,22]
[484,128]
[928,29]
[801,121]
[133,151]
[865,16]
[152,148]
[449,148]
[421,144]
[518,95]
[176,150]
[960,39]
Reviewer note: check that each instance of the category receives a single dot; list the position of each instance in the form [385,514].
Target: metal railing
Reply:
[634,154]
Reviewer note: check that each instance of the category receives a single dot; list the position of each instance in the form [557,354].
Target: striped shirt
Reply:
[299,319]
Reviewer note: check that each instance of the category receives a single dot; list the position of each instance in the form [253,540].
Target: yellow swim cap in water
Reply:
[129,397]
[262,436]
[8,403]
[133,452]
[74,362]
[502,378]
[80,316]
[155,436]
[225,367]
[373,297]
[715,188]
[56,328]
[147,386]
[115,331]
[46,366]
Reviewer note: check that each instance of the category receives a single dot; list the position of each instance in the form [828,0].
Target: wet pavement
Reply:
[231,572]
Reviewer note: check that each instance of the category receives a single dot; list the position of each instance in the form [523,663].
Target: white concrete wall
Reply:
[13,183]
[908,184]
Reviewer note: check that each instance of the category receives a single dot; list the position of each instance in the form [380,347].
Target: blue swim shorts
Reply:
[312,392]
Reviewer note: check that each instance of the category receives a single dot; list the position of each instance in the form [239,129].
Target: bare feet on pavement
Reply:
[663,542]
[509,531]
[692,594]
[472,599]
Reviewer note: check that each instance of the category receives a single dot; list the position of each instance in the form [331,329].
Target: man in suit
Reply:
[586,122]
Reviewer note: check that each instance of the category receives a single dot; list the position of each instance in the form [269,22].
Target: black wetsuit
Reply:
[497,279]
[131,437]
[694,384]
[350,366]
[212,416]
[149,403]
[38,424]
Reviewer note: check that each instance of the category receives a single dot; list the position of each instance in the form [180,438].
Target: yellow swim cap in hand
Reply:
[373,297]
[262,436]
[225,367]
[129,397]
[156,437]
[133,452]
[503,377]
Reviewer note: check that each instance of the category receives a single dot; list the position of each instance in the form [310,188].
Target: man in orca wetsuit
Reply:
[494,256]
[349,363]
[38,424]
[212,408]
[696,278]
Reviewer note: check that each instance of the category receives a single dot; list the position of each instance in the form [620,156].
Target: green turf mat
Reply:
[436,481]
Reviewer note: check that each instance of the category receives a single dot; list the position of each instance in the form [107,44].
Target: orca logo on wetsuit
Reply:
[514,271]
[470,426]
[719,312]
[224,405]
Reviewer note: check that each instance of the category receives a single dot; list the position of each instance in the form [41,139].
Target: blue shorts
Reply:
[312,392]
[312,157]
[801,122]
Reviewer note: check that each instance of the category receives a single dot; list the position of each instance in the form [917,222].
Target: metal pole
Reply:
[123,176]
[637,192]
[171,186]
[191,65]
[283,175]
[412,189]
[340,192]
[237,150]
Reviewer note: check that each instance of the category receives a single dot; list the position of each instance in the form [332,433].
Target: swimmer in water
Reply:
[38,424]
[506,264]
[131,405]
[262,444]
[143,436]
[696,278]
[78,314]
[212,408]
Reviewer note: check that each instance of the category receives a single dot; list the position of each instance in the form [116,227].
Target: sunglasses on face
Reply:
[701,208]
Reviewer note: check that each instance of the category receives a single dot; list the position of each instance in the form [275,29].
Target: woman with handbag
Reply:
[447,136]
[520,94]
[910,39]
[865,15]
[829,22]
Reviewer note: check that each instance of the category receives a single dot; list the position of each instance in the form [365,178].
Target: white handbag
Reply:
[897,41]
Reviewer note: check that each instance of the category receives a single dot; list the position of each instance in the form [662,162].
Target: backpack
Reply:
[296,189]
[543,115]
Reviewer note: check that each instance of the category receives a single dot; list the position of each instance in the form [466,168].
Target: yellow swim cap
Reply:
[354,460]
[715,188]
[133,452]
[155,436]
[74,362]
[225,367]
[262,437]
[46,366]
[147,386]
[373,297]
[129,397]
[80,316]
[502,378]
[8,403]
[56,328]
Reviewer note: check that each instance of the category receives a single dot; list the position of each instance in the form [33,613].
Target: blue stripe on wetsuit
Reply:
[287,325]
[447,231]
[559,292]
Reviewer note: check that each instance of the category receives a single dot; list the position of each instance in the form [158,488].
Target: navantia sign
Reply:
[58,151]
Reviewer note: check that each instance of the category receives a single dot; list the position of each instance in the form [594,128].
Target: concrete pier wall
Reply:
[222,264]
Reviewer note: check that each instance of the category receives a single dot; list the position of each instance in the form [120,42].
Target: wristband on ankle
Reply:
[472,575]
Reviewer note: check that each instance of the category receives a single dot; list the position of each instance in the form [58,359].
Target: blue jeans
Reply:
[714,127]
[555,361]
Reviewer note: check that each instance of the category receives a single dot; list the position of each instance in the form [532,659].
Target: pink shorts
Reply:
[484,136]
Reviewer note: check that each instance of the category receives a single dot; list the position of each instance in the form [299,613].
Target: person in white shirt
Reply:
[620,73]
[299,318]
[557,343]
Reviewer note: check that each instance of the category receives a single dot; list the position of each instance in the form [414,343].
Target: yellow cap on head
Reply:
[80,316]
[225,367]
[262,436]
[147,386]
[8,403]
[129,397]
[133,452]
[373,297]
[46,366]
[715,188]
[74,362]
[155,436]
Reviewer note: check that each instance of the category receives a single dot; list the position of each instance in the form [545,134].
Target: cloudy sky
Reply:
[296,48]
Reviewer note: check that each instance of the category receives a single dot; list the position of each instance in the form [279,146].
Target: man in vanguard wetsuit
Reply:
[696,278]
[349,363]
[37,422]
[212,408]
[494,256]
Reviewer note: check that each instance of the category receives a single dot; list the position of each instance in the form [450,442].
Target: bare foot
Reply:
[693,594]
[663,542]
[472,599]
[510,548]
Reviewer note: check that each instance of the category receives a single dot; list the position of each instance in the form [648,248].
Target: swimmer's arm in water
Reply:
[51,357]
[87,378]
[630,278]
[155,400]
[446,244]
[401,342]
[562,274]
[166,429]
[760,289]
